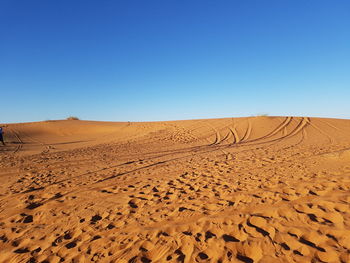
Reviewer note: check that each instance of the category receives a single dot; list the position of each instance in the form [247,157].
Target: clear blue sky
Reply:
[173,59]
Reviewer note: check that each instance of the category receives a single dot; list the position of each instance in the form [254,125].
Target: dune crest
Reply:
[257,189]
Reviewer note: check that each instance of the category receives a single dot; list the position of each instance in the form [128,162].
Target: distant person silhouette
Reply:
[1,136]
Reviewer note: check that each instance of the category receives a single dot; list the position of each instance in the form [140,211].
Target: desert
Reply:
[250,189]
[174,131]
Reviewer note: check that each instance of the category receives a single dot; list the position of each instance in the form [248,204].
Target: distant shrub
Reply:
[72,118]
[262,115]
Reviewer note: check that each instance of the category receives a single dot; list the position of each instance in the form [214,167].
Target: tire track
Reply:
[20,145]
[334,127]
[234,133]
[299,128]
[200,151]
[248,131]
[95,185]
[331,125]
[216,146]
[282,125]
[217,135]
[227,136]
[303,122]
[331,140]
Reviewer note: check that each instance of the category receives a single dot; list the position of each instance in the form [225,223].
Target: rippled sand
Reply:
[258,189]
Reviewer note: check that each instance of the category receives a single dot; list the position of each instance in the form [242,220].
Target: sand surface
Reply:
[258,189]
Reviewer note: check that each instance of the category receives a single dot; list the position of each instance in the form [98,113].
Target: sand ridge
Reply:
[258,189]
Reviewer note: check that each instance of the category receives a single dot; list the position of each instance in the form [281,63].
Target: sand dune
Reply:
[258,189]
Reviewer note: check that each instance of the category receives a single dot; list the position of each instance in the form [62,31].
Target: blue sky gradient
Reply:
[166,60]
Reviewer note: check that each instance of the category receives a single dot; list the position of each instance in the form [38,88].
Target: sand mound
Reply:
[259,189]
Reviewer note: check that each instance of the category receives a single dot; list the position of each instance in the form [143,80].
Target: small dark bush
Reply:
[72,118]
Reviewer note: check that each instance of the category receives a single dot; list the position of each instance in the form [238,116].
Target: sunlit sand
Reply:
[258,189]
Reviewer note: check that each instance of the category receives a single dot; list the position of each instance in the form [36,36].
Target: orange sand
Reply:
[259,189]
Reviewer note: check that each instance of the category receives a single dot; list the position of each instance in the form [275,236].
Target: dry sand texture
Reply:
[259,189]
